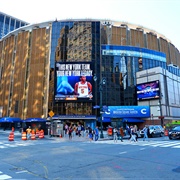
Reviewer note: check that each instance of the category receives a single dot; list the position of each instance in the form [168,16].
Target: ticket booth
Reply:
[57,128]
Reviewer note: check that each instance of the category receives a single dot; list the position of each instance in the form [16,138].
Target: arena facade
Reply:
[41,63]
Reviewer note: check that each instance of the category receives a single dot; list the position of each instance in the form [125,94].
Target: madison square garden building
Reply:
[41,63]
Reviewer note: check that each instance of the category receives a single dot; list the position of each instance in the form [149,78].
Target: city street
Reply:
[79,159]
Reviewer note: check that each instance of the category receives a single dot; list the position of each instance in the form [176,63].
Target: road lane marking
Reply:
[171,144]
[4,177]
[21,172]
[123,152]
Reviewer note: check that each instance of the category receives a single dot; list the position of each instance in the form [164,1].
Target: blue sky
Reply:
[159,15]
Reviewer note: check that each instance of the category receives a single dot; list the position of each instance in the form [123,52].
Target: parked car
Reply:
[162,129]
[175,133]
[154,131]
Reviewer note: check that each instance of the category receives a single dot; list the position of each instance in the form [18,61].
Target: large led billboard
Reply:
[148,90]
[73,81]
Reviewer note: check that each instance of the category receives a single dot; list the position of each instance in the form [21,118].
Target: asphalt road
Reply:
[80,159]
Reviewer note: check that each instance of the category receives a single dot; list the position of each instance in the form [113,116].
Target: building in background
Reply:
[41,63]
[9,23]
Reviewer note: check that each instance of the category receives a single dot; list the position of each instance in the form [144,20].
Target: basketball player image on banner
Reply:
[83,88]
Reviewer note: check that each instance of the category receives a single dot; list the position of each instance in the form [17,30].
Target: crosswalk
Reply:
[14,144]
[163,144]
[4,176]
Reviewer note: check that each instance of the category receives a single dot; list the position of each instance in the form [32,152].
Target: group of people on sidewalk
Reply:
[93,134]
[80,131]
[118,134]
[133,133]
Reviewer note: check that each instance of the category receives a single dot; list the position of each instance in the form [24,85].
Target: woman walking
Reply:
[70,130]
[135,129]
[121,134]
[115,132]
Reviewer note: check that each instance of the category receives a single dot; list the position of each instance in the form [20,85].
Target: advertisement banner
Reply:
[73,81]
[127,111]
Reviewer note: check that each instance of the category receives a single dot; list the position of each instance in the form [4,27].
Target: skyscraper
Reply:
[9,23]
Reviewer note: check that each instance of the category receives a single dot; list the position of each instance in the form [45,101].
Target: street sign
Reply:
[51,113]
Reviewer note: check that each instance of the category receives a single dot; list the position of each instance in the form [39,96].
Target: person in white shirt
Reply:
[115,133]
[83,88]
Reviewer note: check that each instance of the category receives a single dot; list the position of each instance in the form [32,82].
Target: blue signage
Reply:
[133,52]
[127,111]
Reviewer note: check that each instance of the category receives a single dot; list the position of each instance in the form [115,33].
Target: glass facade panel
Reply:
[75,42]
[17,24]
[124,66]
[7,24]
[12,25]
[6,28]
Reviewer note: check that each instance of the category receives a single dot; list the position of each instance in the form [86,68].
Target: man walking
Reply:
[28,130]
[96,133]
[145,130]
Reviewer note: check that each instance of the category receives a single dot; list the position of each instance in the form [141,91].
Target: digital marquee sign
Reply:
[73,81]
[148,90]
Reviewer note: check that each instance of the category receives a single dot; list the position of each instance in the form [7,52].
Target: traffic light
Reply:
[140,63]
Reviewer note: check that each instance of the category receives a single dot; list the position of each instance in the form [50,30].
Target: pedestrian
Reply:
[66,129]
[115,134]
[121,134]
[82,131]
[145,130]
[79,130]
[135,129]
[133,136]
[96,133]
[28,131]
[128,129]
[90,134]
[87,131]
[70,130]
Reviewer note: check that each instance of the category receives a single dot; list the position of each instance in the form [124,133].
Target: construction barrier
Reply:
[110,131]
[37,133]
[33,136]
[41,134]
[11,136]
[166,133]
[24,137]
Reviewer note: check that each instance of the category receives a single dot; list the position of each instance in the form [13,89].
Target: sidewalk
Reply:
[17,134]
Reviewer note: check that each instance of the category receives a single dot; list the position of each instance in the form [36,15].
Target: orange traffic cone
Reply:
[40,135]
[24,137]
[33,136]
[11,136]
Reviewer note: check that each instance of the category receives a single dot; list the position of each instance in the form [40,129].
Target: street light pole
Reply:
[160,109]
[101,109]
[102,82]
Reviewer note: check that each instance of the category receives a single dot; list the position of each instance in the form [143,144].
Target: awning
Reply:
[10,119]
[34,120]
[132,120]
[65,117]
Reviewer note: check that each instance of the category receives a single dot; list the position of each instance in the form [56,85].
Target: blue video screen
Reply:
[147,91]
[73,81]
